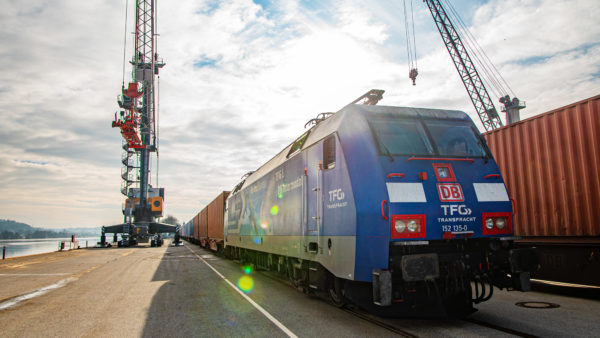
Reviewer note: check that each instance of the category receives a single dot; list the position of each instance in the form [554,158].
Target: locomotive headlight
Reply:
[489,223]
[500,223]
[407,226]
[412,225]
[399,225]
[497,223]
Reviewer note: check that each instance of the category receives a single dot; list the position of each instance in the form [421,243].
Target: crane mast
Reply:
[137,122]
[145,66]
[468,73]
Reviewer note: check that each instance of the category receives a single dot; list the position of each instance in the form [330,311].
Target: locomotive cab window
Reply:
[298,144]
[401,137]
[329,152]
[455,138]
[427,137]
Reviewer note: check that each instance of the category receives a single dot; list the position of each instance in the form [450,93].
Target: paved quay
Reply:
[186,291]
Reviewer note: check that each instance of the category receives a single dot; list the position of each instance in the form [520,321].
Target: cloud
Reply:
[241,79]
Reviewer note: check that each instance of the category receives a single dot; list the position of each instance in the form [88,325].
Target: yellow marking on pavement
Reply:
[77,275]
[127,253]
[43,258]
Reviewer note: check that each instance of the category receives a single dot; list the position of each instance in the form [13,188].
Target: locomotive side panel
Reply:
[300,209]
[266,215]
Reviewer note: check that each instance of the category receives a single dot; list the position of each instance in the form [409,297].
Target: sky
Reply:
[241,79]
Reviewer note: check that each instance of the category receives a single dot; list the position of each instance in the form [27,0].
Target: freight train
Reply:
[402,211]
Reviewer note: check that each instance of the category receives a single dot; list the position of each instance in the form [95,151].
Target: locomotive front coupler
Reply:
[523,262]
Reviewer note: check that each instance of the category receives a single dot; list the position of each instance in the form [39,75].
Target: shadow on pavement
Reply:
[195,302]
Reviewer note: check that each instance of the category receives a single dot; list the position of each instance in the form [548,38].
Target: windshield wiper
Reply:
[483,146]
[387,152]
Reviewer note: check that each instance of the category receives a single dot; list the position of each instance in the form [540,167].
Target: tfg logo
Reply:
[450,192]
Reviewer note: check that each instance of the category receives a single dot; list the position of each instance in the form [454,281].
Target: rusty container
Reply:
[203,222]
[216,212]
[551,167]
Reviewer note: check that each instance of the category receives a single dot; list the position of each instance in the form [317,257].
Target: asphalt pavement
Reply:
[186,291]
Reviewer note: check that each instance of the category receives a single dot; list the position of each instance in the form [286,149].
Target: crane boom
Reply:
[465,67]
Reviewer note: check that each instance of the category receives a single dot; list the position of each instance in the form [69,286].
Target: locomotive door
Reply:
[312,194]
[321,159]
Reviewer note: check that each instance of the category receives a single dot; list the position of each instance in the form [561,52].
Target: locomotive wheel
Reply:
[335,293]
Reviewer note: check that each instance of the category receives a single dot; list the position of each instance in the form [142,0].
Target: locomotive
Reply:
[399,210]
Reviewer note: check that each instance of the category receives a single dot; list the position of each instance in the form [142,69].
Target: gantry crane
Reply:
[467,71]
[137,122]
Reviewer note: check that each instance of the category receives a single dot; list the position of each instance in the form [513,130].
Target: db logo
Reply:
[450,192]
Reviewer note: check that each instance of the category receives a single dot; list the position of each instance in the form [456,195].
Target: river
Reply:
[24,247]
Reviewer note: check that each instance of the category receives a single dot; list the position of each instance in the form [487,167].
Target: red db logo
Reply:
[450,192]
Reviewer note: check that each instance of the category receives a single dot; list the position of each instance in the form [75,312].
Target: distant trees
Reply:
[9,235]
[170,219]
[10,229]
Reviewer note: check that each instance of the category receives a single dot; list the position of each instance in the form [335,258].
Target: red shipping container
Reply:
[196,226]
[550,164]
[216,219]
[203,226]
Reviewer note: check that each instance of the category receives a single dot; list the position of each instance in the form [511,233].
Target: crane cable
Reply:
[411,46]
[125,41]
[499,85]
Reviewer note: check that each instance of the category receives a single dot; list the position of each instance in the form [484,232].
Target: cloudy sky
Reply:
[241,80]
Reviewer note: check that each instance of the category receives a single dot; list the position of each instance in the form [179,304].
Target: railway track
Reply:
[400,331]
[499,328]
[419,328]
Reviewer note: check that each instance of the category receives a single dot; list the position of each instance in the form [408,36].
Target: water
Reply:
[24,247]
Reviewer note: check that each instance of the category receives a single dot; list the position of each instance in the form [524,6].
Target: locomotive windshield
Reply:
[414,137]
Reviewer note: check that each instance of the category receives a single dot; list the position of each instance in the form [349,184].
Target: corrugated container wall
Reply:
[551,166]
[204,223]
[196,226]
[216,211]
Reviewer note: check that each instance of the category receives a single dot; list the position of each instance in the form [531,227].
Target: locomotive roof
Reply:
[332,124]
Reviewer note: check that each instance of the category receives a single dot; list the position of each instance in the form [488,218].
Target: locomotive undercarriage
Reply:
[305,275]
[450,276]
[440,279]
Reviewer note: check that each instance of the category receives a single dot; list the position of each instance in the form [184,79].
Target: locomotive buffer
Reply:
[144,204]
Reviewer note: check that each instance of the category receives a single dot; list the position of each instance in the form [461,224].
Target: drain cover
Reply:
[537,305]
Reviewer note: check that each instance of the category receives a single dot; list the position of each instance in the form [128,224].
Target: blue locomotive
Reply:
[402,211]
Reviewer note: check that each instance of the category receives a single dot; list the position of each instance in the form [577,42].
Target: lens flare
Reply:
[246,284]
[247,269]
[274,210]
[264,225]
